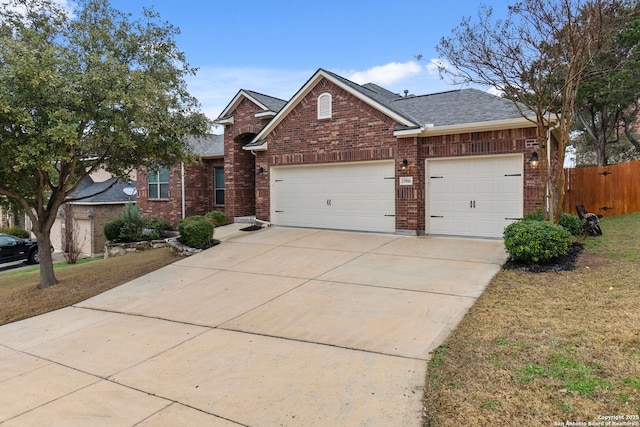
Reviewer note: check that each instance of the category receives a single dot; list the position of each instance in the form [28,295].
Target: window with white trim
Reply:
[324,106]
[158,183]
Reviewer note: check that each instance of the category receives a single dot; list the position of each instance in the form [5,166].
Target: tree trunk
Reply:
[601,150]
[47,275]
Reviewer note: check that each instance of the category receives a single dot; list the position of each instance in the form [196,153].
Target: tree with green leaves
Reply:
[82,91]
[607,100]
[537,57]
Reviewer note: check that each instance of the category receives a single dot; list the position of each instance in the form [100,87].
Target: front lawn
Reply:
[20,297]
[548,349]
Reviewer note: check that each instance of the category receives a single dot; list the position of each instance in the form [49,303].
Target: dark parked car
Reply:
[16,249]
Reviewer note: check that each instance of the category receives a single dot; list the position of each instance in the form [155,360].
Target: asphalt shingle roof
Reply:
[209,146]
[456,107]
[272,103]
[88,191]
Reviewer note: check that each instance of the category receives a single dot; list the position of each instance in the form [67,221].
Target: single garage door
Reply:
[476,196]
[352,196]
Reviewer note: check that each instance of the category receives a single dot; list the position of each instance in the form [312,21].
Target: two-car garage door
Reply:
[472,196]
[346,196]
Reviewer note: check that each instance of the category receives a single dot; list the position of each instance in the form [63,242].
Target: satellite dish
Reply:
[130,191]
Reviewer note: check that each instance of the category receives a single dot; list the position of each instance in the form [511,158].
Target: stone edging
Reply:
[119,249]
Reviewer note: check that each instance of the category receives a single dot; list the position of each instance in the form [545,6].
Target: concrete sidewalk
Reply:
[280,326]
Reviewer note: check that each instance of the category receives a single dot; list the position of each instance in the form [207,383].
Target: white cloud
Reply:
[495,91]
[387,74]
[215,87]
[436,64]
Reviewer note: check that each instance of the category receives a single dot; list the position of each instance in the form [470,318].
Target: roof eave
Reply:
[254,146]
[431,130]
[265,114]
[224,121]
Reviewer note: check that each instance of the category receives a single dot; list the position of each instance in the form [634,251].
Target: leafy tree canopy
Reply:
[537,57]
[95,89]
[607,100]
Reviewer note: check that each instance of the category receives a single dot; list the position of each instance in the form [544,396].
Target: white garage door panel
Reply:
[474,196]
[353,196]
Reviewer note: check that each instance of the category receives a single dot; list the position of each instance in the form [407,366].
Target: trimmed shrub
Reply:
[196,231]
[534,216]
[217,218]
[159,225]
[133,223]
[113,228]
[536,242]
[572,223]
[15,231]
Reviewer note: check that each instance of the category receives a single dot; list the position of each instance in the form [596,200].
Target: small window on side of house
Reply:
[158,183]
[324,106]
[218,186]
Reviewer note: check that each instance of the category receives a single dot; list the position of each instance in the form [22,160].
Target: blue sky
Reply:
[274,46]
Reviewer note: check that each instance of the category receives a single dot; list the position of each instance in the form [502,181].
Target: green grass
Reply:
[619,240]
[20,297]
[56,266]
[538,348]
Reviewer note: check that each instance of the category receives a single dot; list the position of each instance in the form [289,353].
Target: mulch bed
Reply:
[562,263]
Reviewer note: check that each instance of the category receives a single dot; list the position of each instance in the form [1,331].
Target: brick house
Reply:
[345,156]
[97,202]
[165,195]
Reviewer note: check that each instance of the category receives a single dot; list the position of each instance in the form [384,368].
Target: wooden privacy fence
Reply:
[606,190]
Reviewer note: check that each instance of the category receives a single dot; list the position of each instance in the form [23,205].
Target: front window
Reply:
[159,183]
[218,185]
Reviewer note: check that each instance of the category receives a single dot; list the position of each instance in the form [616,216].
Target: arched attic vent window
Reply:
[324,106]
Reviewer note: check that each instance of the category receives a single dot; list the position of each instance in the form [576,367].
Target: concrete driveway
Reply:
[280,326]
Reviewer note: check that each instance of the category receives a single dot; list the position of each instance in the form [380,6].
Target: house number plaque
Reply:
[406,180]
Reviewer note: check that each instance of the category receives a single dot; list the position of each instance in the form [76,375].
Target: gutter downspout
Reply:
[183,201]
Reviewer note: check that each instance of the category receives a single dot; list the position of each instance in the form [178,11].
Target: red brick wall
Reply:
[240,166]
[199,193]
[509,141]
[355,132]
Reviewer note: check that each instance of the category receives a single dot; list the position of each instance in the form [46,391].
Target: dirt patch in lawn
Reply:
[20,297]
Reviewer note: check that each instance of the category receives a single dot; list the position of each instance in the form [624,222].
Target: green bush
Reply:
[572,223]
[217,218]
[534,216]
[159,225]
[536,242]
[113,228]
[15,231]
[133,223]
[196,231]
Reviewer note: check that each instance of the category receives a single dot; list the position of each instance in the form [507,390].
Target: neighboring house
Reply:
[165,195]
[339,155]
[88,215]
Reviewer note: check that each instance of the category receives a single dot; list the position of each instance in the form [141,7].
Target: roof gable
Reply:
[378,99]
[266,103]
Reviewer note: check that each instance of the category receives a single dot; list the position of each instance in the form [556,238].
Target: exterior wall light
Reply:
[534,160]
[260,171]
[404,164]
